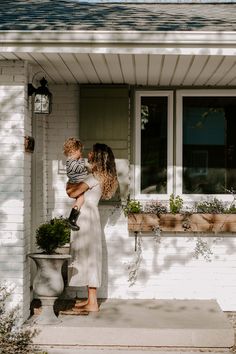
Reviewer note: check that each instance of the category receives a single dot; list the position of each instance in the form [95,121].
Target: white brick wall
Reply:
[15,191]
[168,270]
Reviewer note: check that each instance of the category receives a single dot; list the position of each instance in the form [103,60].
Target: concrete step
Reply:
[84,350]
[143,323]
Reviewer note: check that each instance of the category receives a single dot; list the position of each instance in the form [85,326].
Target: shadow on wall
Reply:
[11,166]
[14,187]
[160,260]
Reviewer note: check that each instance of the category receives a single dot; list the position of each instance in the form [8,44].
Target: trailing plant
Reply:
[132,206]
[134,266]
[186,221]
[52,234]
[176,203]
[13,338]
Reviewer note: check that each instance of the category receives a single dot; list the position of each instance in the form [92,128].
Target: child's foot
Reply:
[74,214]
[73,226]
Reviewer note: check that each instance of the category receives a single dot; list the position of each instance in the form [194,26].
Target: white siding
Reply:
[15,187]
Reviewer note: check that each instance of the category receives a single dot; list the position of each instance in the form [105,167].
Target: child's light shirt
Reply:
[76,170]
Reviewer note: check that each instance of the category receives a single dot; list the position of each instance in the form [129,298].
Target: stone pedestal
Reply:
[48,283]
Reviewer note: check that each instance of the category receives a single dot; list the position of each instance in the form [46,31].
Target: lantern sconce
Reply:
[42,97]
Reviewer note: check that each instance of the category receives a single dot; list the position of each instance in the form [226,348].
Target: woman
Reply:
[86,244]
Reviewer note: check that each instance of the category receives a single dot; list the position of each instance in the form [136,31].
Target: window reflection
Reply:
[209,155]
[154,145]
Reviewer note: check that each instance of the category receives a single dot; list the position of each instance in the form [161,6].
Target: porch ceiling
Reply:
[134,69]
[130,57]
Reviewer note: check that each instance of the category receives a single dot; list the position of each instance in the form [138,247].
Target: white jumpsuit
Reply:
[85,268]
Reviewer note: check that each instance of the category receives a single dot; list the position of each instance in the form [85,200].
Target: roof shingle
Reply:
[58,15]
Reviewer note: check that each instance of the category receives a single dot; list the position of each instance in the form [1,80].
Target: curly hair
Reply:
[104,168]
[71,145]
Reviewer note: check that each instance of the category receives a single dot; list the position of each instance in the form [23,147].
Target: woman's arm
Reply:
[74,190]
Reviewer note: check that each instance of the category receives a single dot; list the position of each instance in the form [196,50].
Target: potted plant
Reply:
[48,283]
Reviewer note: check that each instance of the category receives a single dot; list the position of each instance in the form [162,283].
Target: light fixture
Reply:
[42,98]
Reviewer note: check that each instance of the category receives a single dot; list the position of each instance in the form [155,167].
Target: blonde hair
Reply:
[71,145]
[104,168]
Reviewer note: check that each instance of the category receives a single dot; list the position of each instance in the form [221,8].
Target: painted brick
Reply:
[19,78]
[14,180]
[6,78]
[12,70]
[12,63]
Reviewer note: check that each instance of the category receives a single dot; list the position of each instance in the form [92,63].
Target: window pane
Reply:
[154,145]
[209,155]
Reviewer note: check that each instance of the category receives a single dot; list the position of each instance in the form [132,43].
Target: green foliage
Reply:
[52,234]
[214,206]
[176,203]
[13,339]
[155,207]
[231,209]
[132,206]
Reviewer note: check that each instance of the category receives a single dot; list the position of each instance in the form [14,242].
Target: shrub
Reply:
[13,338]
[52,234]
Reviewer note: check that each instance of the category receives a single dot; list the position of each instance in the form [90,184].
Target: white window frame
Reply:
[179,140]
[137,167]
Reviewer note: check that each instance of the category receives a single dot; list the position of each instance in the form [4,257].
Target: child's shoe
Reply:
[74,214]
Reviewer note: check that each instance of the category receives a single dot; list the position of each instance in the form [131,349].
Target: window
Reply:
[206,144]
[154,138]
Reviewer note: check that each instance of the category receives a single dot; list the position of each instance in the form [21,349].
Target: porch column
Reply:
[15,185]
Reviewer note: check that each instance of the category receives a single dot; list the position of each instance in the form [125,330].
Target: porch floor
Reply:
[143,323]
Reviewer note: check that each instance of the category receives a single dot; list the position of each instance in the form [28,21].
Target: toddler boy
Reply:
[76,172]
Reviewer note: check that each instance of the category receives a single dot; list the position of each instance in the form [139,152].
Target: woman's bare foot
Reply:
[87,307]
[79,303]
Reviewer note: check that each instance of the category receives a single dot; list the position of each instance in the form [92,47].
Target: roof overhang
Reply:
[136,42]
[176,58]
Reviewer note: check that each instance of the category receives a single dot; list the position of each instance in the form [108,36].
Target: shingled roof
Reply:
[58,15]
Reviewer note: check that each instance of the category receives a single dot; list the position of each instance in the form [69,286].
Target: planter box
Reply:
[208,223]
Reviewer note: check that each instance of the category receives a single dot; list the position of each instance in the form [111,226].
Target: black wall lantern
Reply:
[42,98]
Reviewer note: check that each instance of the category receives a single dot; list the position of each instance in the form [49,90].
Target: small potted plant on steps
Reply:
[48,283]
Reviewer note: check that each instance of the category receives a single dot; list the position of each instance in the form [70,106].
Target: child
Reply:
[76,172]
